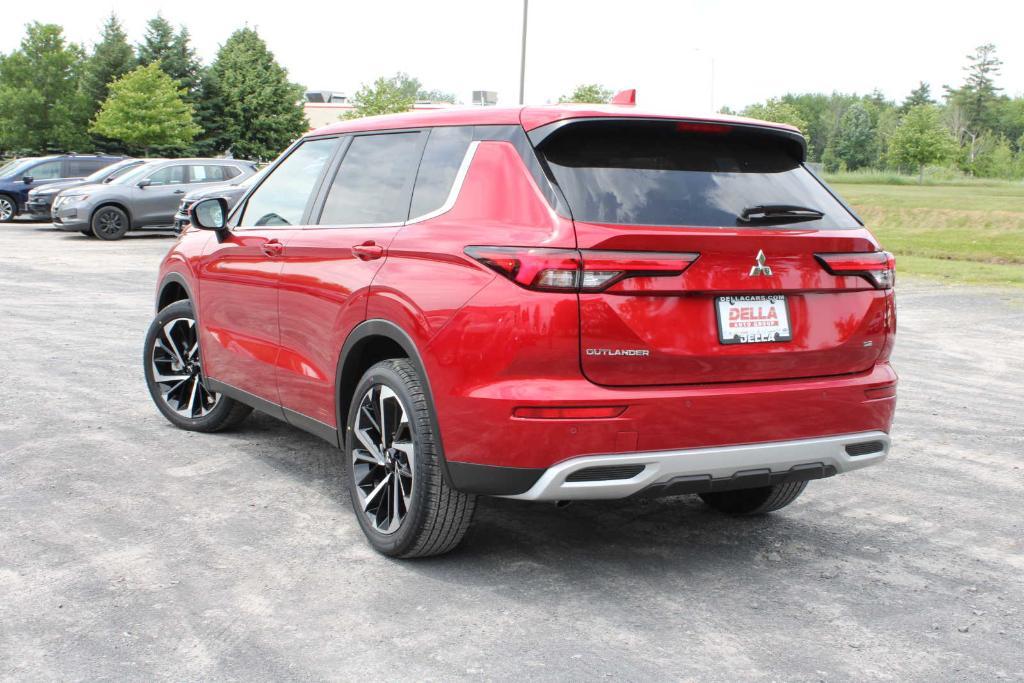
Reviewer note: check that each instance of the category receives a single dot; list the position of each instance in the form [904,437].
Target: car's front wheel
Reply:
[174,374]
[398,493]
[110,223]
[754,501]
[7,209]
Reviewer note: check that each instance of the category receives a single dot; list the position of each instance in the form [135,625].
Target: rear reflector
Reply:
[563,413]
[572,270]
[881,392]
[877,267]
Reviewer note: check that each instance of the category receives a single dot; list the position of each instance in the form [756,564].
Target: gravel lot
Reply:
[129,549]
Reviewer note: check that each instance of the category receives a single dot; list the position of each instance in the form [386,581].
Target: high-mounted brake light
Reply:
[877,267]
[572,270]
[701,127]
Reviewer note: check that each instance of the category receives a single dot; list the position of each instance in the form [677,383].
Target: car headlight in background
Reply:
[73,198]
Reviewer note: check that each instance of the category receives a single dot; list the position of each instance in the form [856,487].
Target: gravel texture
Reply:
[129,549]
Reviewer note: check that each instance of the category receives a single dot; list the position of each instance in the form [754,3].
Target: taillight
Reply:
[877,267]
[572,270]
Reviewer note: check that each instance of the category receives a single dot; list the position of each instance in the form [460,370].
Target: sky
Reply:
[684,56]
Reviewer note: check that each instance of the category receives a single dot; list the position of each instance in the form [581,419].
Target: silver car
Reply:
[144,197]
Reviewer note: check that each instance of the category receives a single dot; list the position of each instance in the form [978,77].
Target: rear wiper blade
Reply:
[778,213]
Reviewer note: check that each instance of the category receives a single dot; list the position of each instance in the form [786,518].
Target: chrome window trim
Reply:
[453,194]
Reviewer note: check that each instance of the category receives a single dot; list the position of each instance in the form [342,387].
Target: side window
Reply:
[209,173]
[230,171]
[442,157]
[45,171]
[170,175]
[374,181]
[282,196]
[79,168]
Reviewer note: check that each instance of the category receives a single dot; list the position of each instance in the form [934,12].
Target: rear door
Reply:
[328,266]
[155,203]
[734,207]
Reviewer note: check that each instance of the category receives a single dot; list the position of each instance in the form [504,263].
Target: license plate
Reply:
[752,319]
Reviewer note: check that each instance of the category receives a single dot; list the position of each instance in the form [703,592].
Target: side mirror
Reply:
[145,183]
[209,214]
[28,180]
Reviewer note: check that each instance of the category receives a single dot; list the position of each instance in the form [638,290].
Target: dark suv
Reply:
[544,303]
[19,176]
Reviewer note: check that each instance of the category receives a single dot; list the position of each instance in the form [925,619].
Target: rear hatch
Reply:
[735,262]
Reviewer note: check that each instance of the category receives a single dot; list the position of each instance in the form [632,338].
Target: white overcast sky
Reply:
[665,49]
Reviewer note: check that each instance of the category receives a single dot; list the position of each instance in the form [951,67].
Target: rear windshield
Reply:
[684,174]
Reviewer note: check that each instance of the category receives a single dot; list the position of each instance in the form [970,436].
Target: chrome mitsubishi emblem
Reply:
[759,266]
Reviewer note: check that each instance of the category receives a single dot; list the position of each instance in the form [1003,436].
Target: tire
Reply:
[88,232]
[175,379]
[110,223]
[404,508]
[754,501]
[8,209]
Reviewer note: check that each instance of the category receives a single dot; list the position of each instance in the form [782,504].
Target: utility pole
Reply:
[522,54]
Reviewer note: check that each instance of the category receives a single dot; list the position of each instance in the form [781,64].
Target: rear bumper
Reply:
[702,470]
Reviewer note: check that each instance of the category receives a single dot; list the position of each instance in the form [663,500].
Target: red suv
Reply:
[544,303]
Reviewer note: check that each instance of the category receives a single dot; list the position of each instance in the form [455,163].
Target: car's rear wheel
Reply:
[754,501]
[7,208]
[174,374]
[399,495]
[110,223]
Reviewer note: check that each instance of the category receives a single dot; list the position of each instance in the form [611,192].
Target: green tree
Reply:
[42,107]
[436,96]
[146,109]
[922,94]
[778,112]
[258,110]
[921,139]
[979,92]
[588,93]
[384,96]
[111,58]
[994,158]
[158,41]
[854,141]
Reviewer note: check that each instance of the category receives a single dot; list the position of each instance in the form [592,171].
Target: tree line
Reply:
[972,127]
[154,98]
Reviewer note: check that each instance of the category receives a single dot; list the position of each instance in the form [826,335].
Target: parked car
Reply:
[544,303]
[232,192]
[144,197]
[19,176]
[40,200]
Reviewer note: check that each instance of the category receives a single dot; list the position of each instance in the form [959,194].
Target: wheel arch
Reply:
[174,287]
[370,342]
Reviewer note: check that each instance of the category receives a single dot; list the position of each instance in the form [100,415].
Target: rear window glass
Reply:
[675,173]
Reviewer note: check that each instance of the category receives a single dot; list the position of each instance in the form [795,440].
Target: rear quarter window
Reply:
[442,157]
[678,174]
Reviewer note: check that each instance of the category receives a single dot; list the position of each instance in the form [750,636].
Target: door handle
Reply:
[272,248]
[367,251]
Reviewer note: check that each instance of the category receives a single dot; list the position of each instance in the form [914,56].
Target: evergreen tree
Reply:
[922,94]
[41,102]
[111,58]
[259,110]
[854,139]
[979,92]
[146,109]
[158,43]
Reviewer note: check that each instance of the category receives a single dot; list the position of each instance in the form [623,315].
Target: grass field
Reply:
[970,233]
